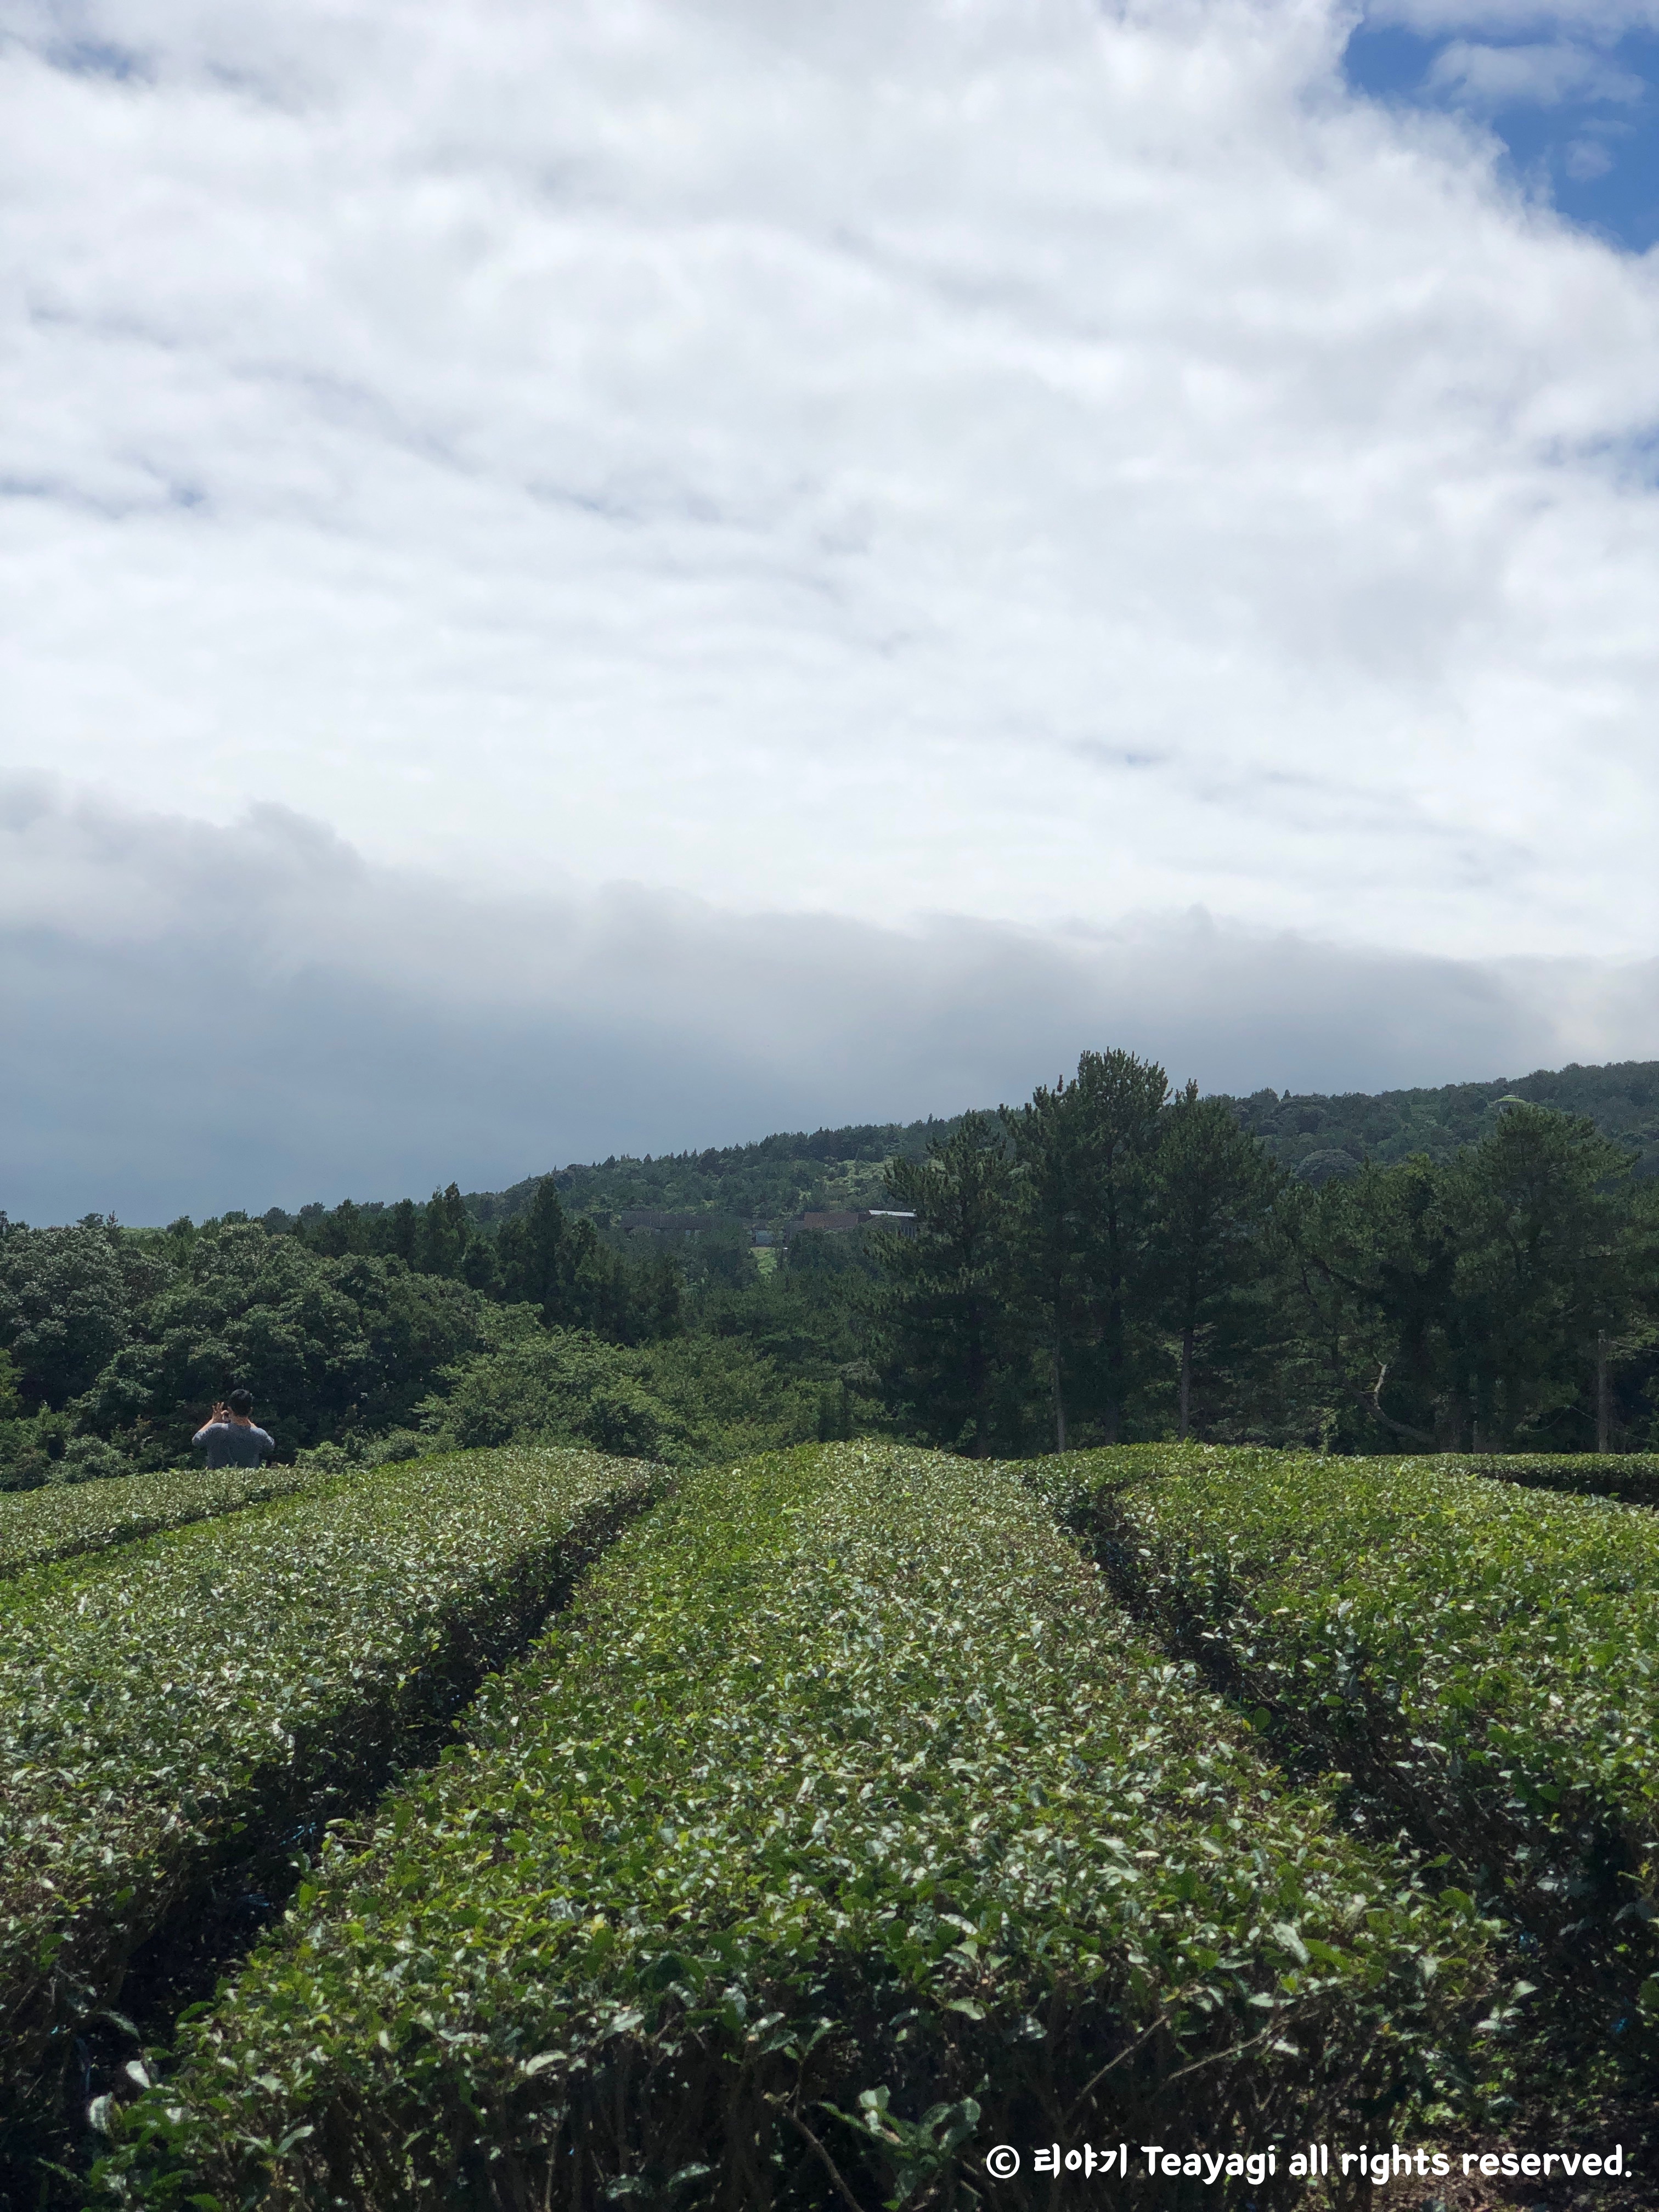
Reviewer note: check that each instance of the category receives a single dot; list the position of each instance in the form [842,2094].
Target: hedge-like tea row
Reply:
[1484,1657]
[840,1831]
[66,1519]
[248,1671]
[1631,1477]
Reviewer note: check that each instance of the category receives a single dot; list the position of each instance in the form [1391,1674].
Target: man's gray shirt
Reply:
[229,1444]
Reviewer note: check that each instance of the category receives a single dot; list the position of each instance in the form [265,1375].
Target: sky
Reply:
[615,577]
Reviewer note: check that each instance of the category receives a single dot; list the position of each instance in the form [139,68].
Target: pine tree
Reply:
[403,1232]
[946,1315]
[532,1251]
[446,1226]
[1213,1186]
[1084,1154]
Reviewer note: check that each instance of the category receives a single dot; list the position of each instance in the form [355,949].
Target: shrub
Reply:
[684,1401]
[87,1459]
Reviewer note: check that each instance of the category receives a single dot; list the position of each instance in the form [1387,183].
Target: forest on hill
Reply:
[1316,1132]
[1471,1268]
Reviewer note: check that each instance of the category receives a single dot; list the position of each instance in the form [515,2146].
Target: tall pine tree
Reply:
[1084,1166]
[946,1315]
[1213,1186]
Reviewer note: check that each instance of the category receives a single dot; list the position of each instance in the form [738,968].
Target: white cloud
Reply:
[1600,20]
[994,456]
[1540,75]
[198,1018]
[1587,159]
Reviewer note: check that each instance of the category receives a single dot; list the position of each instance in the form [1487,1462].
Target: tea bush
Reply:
[60,1521]
[1480,1656]
[1631,1477]
[841,1829]
[237,1674]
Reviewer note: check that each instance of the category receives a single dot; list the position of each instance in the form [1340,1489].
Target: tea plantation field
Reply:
[516,1831]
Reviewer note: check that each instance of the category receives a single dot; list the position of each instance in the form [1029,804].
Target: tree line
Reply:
[544,1256]
[1114,1259]
[1117,1258]
[113,1345]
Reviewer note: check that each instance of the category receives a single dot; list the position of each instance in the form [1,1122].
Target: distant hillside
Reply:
[789,1174]
[764,1182]
[1622,1100]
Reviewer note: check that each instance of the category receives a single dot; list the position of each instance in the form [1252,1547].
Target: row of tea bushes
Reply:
[1631,1477]
[64,1520]
[168,1702]
[1481,1656]
[840,1830]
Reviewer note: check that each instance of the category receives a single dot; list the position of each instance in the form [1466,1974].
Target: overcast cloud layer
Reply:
[1041,466]
[195,1023]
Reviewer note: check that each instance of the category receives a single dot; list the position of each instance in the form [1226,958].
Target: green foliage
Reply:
[1084,1153]
[788,1174]
[1150,1272]
[842,1819]
[1106,1261]
[815,1326]
[1631,1477]
[1213,1188]
[682,1401]
[328,1344]
[1460,1306]
[1281,1339]
[1622,1101]
[250,1670]
[1547,1252]
[559,1265]
[779,1177]
[1480,1657]
[32,1449]
[89,1459]
[66,1301]
[950,1343]
[1079,1268]
[533,1255]
[342,1350]
[446,1231]
[40,1525]
[549,1262]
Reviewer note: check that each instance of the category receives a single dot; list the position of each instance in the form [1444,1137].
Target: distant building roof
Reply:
[836,1224]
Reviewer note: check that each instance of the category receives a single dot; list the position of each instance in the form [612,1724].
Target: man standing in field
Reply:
[229,1434]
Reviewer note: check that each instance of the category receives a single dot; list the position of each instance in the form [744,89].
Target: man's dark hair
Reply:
[240,1401]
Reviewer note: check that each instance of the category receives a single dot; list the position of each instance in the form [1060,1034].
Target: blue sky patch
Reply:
[1580,118]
